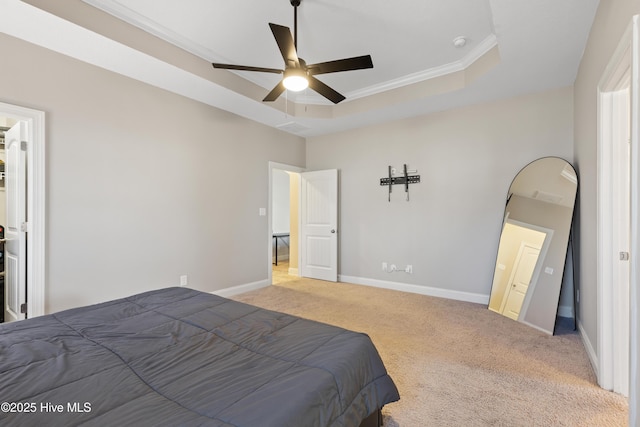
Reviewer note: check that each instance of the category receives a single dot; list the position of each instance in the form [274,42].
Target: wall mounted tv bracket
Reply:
[405,179]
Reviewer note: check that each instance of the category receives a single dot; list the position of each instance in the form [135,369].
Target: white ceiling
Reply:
[404,37]
[513,47]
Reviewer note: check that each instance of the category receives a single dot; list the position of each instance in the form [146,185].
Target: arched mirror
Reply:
[533,243]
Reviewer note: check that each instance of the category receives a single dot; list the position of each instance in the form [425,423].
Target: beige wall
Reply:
[143,185]
[612,19]
[466,158]
[280,201]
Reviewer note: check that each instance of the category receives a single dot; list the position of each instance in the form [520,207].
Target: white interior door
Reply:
[319,225]
[15,229]
[521,277]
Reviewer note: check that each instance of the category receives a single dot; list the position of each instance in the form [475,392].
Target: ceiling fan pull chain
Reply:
[295,4]
[286,104]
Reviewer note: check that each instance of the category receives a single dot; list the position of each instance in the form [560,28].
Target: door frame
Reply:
[36,290]
[611,334]
[634,242]
[287,168]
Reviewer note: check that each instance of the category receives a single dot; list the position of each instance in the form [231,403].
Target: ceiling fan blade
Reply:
[347,64]
[246,68]
[275,92]
[325,90]
[285,43]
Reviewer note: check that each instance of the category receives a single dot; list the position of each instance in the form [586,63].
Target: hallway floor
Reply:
[281,273]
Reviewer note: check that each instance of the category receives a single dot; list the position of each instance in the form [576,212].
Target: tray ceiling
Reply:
[512,47]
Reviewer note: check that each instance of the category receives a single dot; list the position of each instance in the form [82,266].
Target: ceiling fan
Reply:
[297,74]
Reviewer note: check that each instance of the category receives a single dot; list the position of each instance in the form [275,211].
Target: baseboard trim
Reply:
[536,327]
[593,358]
[564,311]
[240,289]
[415,289]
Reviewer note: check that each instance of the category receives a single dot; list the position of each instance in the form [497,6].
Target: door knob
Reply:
[333,231]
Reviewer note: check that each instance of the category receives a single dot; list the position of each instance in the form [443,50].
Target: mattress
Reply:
[177,356]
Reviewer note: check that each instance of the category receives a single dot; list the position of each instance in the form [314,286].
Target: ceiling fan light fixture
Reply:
[297,75]
[295,79]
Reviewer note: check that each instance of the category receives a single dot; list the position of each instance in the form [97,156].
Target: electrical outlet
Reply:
[384,267]
[409,269]
[184,280]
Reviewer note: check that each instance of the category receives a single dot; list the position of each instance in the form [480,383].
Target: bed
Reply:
[177,356]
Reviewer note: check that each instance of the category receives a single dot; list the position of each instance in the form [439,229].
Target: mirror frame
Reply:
[544,317]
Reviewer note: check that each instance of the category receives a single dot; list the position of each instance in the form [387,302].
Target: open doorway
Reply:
[283,218]
[6,123]
[313,204]
[31,143]
[284,225]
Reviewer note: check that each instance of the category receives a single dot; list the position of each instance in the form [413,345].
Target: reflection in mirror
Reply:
[533,243]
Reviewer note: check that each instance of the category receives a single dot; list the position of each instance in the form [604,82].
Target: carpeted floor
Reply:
[457,363]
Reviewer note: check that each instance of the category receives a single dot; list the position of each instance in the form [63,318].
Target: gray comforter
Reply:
[182,357]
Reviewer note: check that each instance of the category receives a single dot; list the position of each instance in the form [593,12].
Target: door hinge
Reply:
[23,145]
[624,256]
[23,308]
[24,227]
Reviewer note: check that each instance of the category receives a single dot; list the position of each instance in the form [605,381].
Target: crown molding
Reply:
[126,14]
[478,52]
[132,17]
